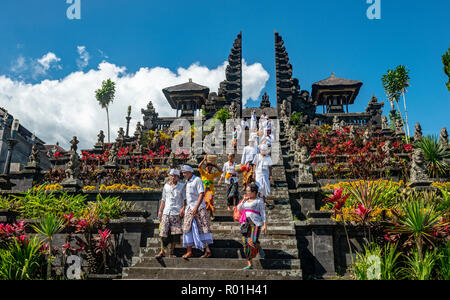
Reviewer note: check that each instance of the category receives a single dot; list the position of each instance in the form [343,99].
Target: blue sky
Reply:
[320,36]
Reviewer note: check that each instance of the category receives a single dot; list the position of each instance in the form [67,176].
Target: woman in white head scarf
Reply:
[263,171]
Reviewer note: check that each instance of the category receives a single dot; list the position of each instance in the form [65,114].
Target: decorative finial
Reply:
[332,74]
[190,79]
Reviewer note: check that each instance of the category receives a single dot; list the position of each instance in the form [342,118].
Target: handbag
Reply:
[236,213]
[244,228]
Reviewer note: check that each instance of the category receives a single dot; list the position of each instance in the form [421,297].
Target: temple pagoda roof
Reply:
[335,86]
[185,92]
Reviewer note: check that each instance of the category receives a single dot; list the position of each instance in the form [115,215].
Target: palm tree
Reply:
[437,156]
[105,96]
[417,220]
[395,83]
[49,226]
[446,62]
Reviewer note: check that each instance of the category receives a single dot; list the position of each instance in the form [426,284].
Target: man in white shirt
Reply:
[196,226]
[171,210]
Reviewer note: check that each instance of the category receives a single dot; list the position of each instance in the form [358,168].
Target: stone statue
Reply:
[120,134]
[384,123]
[283,110]
[342,125]
[305,173]
[172,160]
[335,123]
[34,157]
[72,168]
[101,138]
[233,110]
[417,131]
[366,136]
[351,133]
[398,125]
[74,144]
[418,169]
[443,138]
[297,154]
[387,149]
[112,157]
[139,129]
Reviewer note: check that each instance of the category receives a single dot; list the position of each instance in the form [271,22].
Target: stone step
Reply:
[236,242]
[208,274]
[237,252]
[216,263]
[235,230]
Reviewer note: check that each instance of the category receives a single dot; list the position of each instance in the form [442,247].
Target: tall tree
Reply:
[105,96]
[446,62]
[395,83]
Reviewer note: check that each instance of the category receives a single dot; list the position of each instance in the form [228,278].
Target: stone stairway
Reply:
[280,245]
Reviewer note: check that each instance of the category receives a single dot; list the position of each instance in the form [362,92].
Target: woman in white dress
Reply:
[253,120]
[253,219]
[263,171]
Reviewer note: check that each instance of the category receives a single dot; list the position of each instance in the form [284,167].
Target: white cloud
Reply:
[56,110]
[47,60]
[35,67]
[83,61]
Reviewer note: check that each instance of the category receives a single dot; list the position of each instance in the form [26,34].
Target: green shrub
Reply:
[437,156]
[419,268]
[21,262]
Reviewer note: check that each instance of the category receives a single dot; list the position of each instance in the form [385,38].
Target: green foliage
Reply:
[105,95]
[443,262]
[446,62]
[395,81]
[222,115]
[437,156]
[417,220]
[49,226]
[38,204]
[296,118]
[377,263]
[418,268]
[21,262]
[393,116]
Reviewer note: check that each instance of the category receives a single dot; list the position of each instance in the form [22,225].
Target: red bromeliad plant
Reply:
[338,156]
[338,199]
[103,243]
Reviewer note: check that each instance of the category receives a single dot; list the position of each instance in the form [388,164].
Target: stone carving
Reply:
[384,123]
[120,134]
[150,116]
[417,131]
[342,125]
[366,136]
[297,154]
[101,138]
[74,144]
[443,138]
[112,157]
[387,149]
[72,169]
[283,110]
[398,125]
[418,169]
[335,123]
[305,173]
[265,102]
[171,160]
[139,129]
[34,157]
[351,133]
[233,110]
